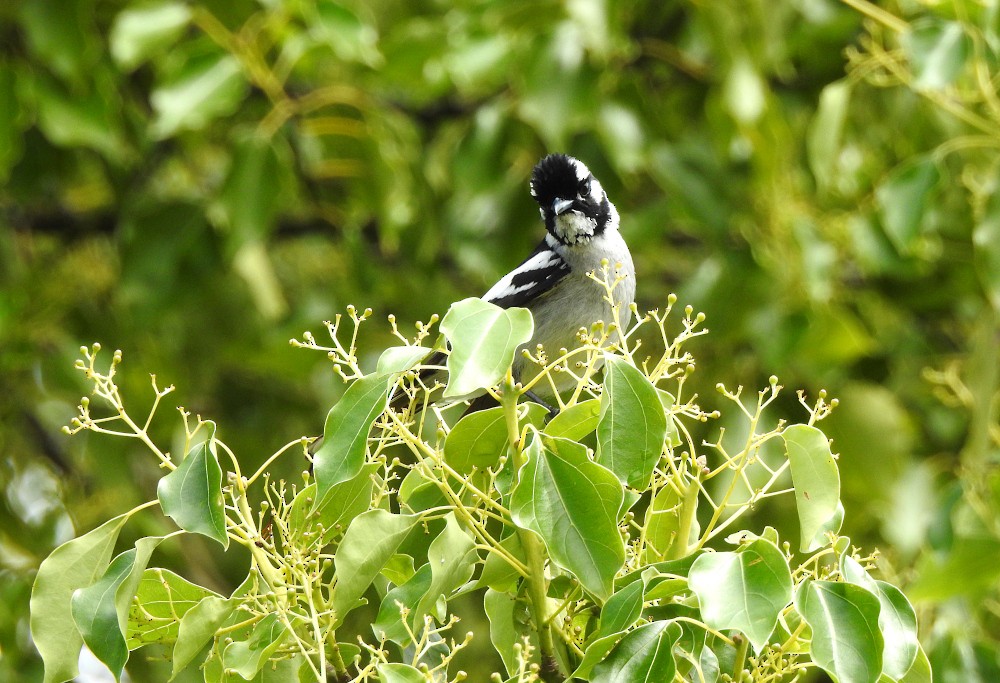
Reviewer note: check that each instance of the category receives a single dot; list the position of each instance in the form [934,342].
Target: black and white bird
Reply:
[581,227]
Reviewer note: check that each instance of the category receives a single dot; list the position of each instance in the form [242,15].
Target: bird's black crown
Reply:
[554,177]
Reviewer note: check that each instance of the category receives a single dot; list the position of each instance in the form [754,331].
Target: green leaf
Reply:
[78,119]
[663,524]
[902,199]
[480,438]
[846,641]
[342,503]
[986,248]
[371,539]
[73,565]
[477,440]
[596,652]
[969,568]
[483,339]
[572,503]
[632,424]
[140,32]
[497,572]
[100,611]
[452,556]
[191,495]
[817,485]
[400,359]
[938,51]
[247,657]
[251,195]
[388,623]
[399,673]
[509,618]
[826,132]
[197,627]
[345,435]
[161,600]
[575,422]
[745,590]
[59,34]
[621,610]
[644,655]
[920,671]
[203,89]
[897,620]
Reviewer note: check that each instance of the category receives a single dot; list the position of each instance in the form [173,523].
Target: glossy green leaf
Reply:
[452,557]
[371,539]
[938,51]
[75,564]
[644,655]
[161,600]
[205,88]
[663,524]
[826,132]
[479,439]
[632,424]
[140,32]
[621,610]
[897,620]
[197,627]
[100,611]
[330,516]
[388,623]
[817,485]
[497,572]
[572,503]
[345,435]
[575,422]
[399,673]
[920,671]
[400,359]
[596,652]
[744,590]
[902,200]
[483,339]
[247,657]
[509,625]
[191,495]
[846,641]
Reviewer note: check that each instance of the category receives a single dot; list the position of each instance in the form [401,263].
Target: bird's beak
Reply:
[561,206]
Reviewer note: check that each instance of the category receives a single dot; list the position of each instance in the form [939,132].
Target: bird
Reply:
[581,231]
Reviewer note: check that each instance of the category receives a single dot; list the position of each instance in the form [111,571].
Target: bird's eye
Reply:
[585,187]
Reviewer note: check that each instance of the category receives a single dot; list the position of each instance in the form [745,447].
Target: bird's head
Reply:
[572,202]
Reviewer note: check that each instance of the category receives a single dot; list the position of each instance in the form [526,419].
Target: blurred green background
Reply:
[196,183]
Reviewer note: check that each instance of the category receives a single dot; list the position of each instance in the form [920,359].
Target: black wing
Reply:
[536,275]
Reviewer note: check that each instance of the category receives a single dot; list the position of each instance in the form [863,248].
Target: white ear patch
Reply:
[582,172]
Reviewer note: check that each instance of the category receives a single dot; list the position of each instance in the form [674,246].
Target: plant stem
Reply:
[689,508]
[741,658]
[534,551]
